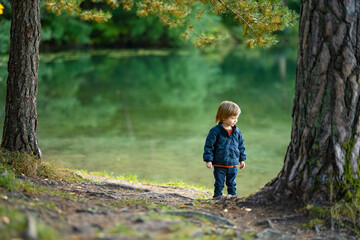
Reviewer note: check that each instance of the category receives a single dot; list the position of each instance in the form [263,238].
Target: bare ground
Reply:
[104,208]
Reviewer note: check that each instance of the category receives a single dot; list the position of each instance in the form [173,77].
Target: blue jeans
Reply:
[220,175]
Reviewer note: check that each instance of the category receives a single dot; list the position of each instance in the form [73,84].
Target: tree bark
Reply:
[322,159]
[20,125]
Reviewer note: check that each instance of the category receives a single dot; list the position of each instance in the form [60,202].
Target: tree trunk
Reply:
[322,159]
[20,126]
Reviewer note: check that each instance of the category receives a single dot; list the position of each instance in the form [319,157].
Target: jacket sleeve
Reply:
[242,149]
[209,147]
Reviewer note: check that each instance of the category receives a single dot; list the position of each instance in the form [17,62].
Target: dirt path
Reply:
[187,192]
[105,208]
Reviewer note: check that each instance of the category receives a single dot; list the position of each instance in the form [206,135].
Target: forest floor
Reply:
[106,208]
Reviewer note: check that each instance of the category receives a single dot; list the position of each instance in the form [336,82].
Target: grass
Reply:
[343,213]
[9,181]
[126,202]
[168,226]
[347,214]
[186,185]
[13,225]
[134,178]
[129,177]
[200,190]
[173,227]
[313,222]
[15,164]
[13,221]
[31,166]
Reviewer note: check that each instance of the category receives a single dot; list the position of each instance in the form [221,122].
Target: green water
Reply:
[147,113]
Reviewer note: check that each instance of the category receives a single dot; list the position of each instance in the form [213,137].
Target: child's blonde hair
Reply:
[226,110]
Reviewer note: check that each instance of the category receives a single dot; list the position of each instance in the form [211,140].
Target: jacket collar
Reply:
[223,129]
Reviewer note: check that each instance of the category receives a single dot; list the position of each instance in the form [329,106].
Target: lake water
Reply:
[147,113]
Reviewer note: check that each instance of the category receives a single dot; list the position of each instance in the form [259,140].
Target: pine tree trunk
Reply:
[322,158]
[20,126]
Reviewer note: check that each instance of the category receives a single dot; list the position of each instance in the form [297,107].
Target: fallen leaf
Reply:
[4,197]
[5,220]
[309,206]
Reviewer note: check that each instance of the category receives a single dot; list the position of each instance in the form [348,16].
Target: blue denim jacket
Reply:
[222,149]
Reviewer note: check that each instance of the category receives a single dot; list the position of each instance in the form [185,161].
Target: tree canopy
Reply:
[140,23]
[259,19]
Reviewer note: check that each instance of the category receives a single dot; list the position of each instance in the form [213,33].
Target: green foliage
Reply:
[118,23]
[73,8]
[64,30]
[125,28]
[4,35]
[260,19]
[313,222]
[5,28]
[4,8]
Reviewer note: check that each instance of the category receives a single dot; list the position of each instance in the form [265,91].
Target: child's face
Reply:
[230,121]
